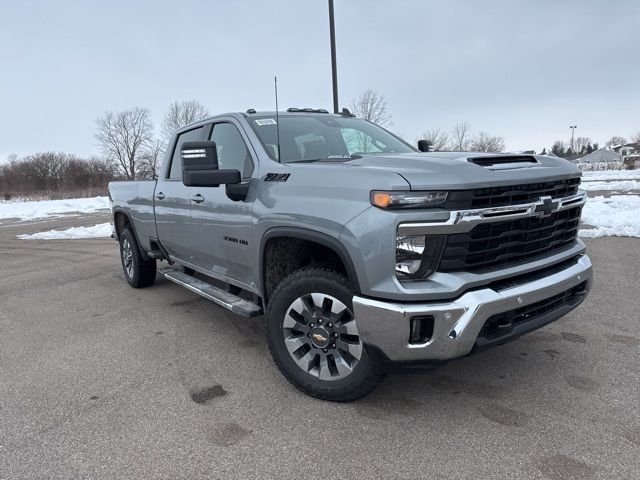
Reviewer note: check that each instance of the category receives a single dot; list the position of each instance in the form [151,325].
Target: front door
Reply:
[173,204]
[220,226]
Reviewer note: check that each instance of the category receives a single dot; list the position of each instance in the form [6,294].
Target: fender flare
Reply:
[313,236]
[133,228]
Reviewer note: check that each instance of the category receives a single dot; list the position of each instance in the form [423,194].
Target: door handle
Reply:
[197,198]
[160,195]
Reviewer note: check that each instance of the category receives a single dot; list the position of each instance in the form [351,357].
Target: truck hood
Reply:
[456,170]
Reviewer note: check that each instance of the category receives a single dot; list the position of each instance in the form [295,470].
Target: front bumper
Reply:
[458,323]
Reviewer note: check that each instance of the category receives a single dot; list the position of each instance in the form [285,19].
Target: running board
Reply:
[227,300]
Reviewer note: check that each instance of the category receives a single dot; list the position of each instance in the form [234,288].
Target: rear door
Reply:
[221,226]
[173,205]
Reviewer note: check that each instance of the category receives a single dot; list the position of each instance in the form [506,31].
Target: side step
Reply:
[227,300]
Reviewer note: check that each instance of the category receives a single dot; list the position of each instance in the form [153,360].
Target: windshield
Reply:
[321,137]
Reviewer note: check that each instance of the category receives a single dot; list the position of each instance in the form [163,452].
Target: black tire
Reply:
[363,377]
[139,272]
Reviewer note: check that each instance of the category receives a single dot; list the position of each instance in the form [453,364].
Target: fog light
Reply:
[421,329]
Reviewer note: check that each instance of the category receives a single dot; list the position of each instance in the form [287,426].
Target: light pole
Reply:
[334,72]
[573,129]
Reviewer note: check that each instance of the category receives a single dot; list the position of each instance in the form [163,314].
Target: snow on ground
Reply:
[97,231]
[613,216]
[51,208]
[610,175]
[618,185]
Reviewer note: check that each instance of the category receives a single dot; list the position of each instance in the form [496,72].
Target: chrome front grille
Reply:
[504,243]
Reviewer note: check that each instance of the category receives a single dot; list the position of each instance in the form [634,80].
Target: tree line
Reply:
[128,147]
[54,175]
[584,145]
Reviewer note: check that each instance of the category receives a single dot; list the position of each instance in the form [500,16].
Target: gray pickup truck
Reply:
[364,253]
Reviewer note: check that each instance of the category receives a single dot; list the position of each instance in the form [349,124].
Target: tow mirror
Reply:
[424,145]
[200,166]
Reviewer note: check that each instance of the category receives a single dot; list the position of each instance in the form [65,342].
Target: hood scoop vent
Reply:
[504,161]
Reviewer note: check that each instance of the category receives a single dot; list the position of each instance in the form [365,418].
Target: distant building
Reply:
[602,155]
[630,153]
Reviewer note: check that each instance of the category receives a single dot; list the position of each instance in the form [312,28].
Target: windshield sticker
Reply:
[266,121]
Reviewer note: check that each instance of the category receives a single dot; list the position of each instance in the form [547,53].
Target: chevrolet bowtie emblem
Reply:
[319,337]
[546,206]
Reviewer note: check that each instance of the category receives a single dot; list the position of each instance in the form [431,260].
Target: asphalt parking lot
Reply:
[98,380]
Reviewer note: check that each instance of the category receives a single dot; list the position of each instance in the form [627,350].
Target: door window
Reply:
[231,148]
[175,172]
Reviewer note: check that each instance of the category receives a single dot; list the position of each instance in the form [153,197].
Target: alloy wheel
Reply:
[321,336]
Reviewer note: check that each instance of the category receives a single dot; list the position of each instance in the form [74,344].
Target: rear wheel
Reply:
[313,336]
[138,271]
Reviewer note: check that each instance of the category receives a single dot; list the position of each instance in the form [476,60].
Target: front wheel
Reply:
[313,336]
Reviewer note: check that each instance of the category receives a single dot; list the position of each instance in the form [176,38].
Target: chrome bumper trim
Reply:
[462,221]
[457,323]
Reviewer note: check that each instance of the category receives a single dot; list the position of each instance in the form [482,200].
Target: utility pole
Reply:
[573,130]
[334,72]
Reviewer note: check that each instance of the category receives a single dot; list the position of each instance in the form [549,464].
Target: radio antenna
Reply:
[275,82]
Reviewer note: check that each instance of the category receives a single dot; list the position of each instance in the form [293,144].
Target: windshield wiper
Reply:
[335,158]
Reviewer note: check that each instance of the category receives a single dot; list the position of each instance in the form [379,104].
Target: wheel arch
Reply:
[314,237]
[122,220]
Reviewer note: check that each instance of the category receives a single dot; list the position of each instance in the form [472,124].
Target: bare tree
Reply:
[373,107]
[461,137]
[580,144]
[439,139]
[635,136]
[559,148]
[483,142]
[615,141]
[151,159]
[181,114]
[124,136]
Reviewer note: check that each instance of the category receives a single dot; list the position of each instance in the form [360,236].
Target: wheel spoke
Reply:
[294,343]
[349,327]
[325,373]
[342,366]
[295,321]
[354,349]
[307,361]
[317,299]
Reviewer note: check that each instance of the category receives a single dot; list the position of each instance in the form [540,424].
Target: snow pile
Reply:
[611,175]
[620,185]
[51,208]
[97,231]
[614,216]
[600,166]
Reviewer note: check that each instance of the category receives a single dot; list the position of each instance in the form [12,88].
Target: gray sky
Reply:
[523,70]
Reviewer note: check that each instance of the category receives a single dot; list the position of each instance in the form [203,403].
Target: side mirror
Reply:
[200,166]
[424,145]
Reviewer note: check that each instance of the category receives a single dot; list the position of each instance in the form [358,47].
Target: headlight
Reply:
[407,199]
[417,256]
